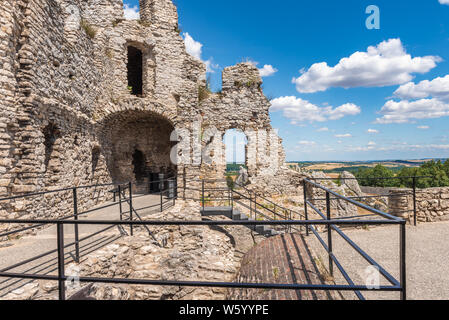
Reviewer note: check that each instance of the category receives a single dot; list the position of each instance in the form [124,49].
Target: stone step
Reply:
[217,211]
[236,215]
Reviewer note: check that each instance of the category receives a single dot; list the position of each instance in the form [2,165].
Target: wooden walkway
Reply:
[283,259]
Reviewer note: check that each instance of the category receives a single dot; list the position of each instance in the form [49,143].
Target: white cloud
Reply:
[372,143]
[267,71]
[299,110]
[383,65]
[423,127]
[324,129]
[307,143]
[437,88]
[195,49]
[404,111]
[346,135]
[131,13]
[372,131]
[444,2]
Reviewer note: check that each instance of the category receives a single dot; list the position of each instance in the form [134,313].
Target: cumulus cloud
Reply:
[423,127]
[437,88]
[383,65]
[404,111]
[267,71]
[346,135]
[299,110]
[324,129]
[372,131]
[307,143]
[195,49]
[444,2]
[131,13]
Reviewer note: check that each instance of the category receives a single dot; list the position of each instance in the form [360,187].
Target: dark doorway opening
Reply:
[139,165]
[135,71]
[51,134]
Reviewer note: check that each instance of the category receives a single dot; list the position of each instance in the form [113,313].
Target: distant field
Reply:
[338,167]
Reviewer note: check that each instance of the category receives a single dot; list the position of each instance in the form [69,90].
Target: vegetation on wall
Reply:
[90,31]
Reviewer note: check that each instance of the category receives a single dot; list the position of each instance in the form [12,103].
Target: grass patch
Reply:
[90,31]
[203,93]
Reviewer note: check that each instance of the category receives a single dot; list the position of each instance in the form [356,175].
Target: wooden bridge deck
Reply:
[283,259]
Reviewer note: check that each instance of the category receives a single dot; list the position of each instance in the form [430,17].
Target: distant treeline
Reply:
[234,167]
[437,171]
[357,168]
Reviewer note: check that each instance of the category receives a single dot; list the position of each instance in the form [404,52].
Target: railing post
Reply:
[131,207]
[329,234]
[120,201]
[162,200]
[414,201]
[175,194]
[202,193]
[290,226]
[75,211]
[255,206]
[251,205]
[305,206]
[403,261]
[61,272]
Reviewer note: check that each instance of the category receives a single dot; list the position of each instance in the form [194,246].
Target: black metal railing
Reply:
[412,192]
[389,219]
[125,195]
[276,219]
[256,202]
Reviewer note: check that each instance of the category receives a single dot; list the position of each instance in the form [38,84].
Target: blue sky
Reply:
[387,102]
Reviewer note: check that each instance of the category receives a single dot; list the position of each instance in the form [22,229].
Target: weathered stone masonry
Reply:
[69,117]
[432,204]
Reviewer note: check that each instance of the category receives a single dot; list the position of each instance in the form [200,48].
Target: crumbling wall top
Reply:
[242,74]
[160,13]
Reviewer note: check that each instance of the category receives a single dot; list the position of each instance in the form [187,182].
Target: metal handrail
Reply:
[310,224]
[332,226]
[356,203]
[277,205]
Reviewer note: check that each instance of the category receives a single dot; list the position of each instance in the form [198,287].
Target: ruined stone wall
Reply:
[68,115]
[52,136]
[11,28]
[432,204]
[242,105]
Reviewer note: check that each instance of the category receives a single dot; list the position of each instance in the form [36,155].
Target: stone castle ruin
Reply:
[88,97]
[90,100]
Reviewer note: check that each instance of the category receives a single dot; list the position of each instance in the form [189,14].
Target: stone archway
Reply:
[137,144]
[235,144]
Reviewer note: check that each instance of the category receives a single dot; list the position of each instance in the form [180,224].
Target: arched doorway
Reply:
[139,146]
[235,144]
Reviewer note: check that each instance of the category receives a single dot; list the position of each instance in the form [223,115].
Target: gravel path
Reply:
[427,258]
